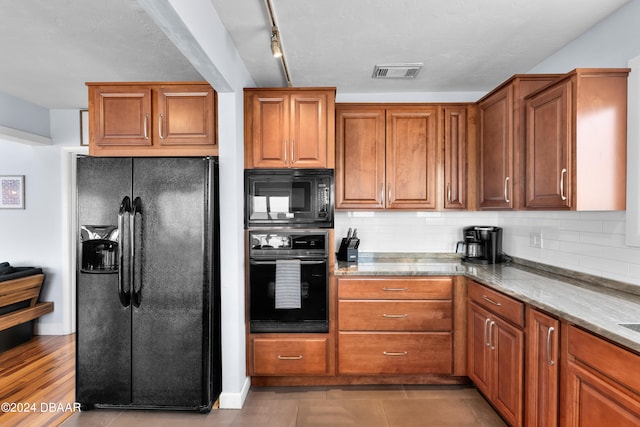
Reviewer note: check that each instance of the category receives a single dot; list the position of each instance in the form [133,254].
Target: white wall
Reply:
[34,236]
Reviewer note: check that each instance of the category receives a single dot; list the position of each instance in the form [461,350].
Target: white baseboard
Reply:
[235,400]
[50,329]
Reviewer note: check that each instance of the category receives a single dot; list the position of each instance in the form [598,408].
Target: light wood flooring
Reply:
[41,371]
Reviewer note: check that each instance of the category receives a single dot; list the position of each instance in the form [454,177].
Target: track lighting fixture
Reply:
[276,49]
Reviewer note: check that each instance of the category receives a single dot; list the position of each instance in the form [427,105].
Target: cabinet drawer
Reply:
[395,288]
[395,315]
[500,304]
[615,362]
[395,353]
[305,356]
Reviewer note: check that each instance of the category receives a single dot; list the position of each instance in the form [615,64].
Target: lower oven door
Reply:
[312,316]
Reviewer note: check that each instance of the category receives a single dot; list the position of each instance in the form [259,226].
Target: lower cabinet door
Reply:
[303,356]
[363,353]
[593,401]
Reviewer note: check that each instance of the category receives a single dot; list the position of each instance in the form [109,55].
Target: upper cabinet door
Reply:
[495,172]
[186,115]
[290,128]
[360,158]
[411,155]
[308,133]
[548,149]
[161,119]
[270,126]
[455,157]
[120,116]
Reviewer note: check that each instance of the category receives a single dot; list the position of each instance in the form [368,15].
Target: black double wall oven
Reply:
[288,216]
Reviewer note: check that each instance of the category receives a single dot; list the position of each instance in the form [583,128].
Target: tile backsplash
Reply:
[588,242]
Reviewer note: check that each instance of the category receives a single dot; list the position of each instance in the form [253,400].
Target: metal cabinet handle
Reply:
[395,316]
[486,298]
[293,150]
[549,359]
[146,123]
[382,192]
[493,347]
[563,195]
[448,192]
[299,357]
[395,289]
[389,199]
[284,148]
[486,340]
[506,190]
[395,353]
[160,126]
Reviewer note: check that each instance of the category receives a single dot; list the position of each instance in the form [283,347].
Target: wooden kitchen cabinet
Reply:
[395,326]
[390,156]
[543,369]
[495,350]
[602,382]
[152,119]
[289,128]
[501,133]
[576,142]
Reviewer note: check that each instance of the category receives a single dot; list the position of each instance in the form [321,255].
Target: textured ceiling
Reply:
[465,45]
[50,48]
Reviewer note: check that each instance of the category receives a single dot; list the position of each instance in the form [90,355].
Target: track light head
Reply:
[276,49]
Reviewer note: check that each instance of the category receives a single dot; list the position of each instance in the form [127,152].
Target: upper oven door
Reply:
[289,198]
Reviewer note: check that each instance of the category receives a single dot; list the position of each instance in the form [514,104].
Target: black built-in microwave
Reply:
[288,198]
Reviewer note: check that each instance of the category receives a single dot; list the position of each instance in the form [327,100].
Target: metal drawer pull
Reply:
[549,332]
[395,316]
[486,298]
[395,289]
[289,357]
[562,174]
[395,353]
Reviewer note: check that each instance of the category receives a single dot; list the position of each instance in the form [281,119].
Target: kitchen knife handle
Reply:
[136,209]
[124,296]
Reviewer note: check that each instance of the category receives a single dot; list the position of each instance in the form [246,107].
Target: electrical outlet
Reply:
[535,239]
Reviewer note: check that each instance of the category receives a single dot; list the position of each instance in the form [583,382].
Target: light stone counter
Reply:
[596,308]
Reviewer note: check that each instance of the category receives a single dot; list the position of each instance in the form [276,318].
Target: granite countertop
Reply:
[599,309]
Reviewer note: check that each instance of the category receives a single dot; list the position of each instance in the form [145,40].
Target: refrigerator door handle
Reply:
[125,296]
[136,209]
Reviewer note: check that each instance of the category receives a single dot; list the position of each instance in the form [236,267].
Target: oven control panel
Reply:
[269,243]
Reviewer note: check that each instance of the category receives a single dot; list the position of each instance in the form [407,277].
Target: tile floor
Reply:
[334,406]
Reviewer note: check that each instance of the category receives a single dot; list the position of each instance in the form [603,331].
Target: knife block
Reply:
[348,250]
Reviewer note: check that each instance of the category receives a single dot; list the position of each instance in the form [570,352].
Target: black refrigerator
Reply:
[148,303]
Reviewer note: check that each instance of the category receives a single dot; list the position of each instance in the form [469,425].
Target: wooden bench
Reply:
[18,290]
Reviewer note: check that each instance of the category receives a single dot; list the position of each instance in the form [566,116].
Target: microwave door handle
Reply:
[136,209]
[124,296]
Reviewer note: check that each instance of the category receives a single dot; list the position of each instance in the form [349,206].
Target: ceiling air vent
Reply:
[396,71]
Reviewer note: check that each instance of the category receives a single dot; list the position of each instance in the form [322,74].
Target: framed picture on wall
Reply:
[84,127]
[12,191]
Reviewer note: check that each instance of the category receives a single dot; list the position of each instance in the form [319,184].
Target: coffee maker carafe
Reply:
[481,244]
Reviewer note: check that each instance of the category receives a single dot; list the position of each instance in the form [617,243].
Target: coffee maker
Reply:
[481,244]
